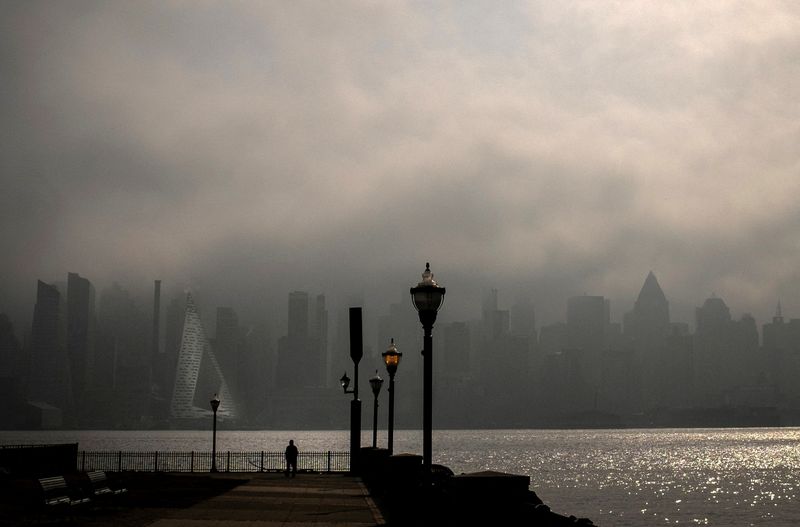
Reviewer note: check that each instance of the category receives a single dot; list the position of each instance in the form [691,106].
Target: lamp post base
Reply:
[355,434]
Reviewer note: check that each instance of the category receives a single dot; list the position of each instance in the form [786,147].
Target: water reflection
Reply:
[615,477]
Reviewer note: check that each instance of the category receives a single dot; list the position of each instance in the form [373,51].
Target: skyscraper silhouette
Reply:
[647,326]
[50,380]
[80,333]
[302,353]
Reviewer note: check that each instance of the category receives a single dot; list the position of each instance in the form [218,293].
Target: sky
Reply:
[547,149]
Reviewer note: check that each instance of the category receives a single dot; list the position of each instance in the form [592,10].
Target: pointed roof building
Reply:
[649,318]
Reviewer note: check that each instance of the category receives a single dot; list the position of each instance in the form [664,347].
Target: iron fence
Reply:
[201,461]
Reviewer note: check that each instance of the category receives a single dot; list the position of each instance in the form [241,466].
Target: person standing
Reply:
[291,459]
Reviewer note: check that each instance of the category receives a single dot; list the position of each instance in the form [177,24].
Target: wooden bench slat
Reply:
[57,493]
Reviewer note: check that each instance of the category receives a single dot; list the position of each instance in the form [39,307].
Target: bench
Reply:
[100,485]
[57,493]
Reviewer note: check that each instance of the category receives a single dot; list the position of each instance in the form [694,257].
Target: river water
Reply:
[745,476]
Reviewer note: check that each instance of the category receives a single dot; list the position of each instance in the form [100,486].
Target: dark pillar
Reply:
[390,430]
[427,395]
[214,444]
[356,352]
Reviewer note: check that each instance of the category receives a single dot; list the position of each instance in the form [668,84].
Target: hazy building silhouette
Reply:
[781,345]
[504,365]
[155,344]
[230,351]
[301,362]
[123,373]
[11,357]
[50,380]
[648,322]
[228,344]
[523,319]
[587,319]
[647,326]
[725,354]
[712,347]
[456,343]
[454,384]
[620,384]
[553,338]
[15,412]
[678,370]
[298,314]
[319,331]
[257,373]
[80,333]
[745,363]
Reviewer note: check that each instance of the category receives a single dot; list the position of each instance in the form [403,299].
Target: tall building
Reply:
[712,345]
[587,320]
[301,353]
[49,381]
[320,334]
[290,374]
[228,342]
[781,344]
[504,364]
[257,373]
[523,319]
[155,349]
[80,333]
[456,348]
[646,327]
[553,338]
[648,322]
[298,314]
[123,361]
[198,375]
[11,362]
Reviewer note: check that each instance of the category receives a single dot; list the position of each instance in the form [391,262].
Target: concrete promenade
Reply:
[267,500]
[233,499]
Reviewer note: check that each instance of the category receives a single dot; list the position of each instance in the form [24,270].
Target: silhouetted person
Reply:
[291,459]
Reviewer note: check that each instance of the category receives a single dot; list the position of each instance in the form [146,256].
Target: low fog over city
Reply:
[608,192]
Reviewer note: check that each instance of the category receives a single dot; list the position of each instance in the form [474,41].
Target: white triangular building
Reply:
[196,357]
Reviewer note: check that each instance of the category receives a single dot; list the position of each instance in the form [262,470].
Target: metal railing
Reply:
[201,461]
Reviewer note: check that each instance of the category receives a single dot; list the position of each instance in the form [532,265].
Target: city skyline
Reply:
[512,370]
[271,304]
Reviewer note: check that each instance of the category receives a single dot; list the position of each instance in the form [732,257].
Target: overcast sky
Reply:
[544,148]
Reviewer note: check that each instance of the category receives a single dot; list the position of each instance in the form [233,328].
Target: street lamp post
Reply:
[214,407]
[427,298]
[392,359]
[375,383]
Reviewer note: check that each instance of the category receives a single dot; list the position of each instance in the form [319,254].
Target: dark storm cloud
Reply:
[552,149]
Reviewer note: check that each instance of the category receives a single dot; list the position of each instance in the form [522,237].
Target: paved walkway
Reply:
[268,500]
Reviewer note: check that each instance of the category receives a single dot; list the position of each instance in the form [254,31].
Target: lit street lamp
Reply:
[214,407]
[427,298]
[376,383]
[392,360]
